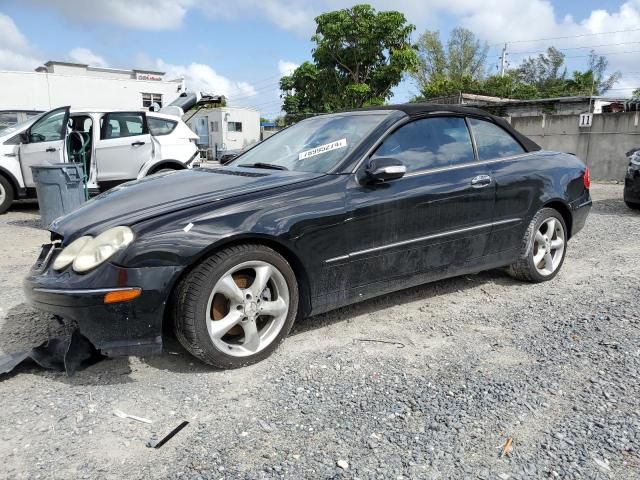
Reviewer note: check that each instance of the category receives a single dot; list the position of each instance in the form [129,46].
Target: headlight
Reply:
[68,254]
[101,248]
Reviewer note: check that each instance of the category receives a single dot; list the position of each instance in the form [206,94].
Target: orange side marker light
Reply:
[118,296]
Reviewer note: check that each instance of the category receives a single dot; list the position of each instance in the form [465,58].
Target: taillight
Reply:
[587,179]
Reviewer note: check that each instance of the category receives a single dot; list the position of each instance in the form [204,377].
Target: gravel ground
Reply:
[478,360]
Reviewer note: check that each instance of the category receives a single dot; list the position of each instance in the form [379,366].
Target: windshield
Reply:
[19,126]
[314,145]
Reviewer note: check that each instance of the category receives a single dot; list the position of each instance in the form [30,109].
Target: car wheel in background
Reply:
[7,194]
[633,206]
[236,306]
[543,248]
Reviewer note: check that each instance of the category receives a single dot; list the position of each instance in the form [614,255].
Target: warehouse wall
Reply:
[44,91]
[602,147]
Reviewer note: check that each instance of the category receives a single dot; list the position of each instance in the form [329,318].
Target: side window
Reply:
[122,124]
[48,128]
[493,141]
[429,143]
[160,126]
[15,140]
[7,119]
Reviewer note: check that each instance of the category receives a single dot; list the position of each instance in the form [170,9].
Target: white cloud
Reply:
[493,20]
[138,14]
[286,68]
[15,51]
[86,56]
[202,77]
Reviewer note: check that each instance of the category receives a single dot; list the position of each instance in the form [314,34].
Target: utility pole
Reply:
[503,60]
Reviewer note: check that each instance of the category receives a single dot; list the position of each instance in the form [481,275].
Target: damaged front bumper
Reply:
[131,327]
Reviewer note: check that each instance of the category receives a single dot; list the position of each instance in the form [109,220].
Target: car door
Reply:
[124,146]
[436,217]
[516,183]
[44,142]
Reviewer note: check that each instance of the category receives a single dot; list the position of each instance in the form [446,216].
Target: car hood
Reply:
[159,194]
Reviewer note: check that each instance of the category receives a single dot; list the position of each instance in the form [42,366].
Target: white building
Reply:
[60,83]
[226,129]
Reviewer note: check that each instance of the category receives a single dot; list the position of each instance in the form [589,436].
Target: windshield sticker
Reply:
[327,147]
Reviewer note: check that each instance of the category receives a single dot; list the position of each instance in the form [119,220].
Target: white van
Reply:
[115,146]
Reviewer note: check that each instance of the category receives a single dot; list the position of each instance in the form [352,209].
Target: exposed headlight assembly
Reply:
[86,252]
[101,248]
[68,255]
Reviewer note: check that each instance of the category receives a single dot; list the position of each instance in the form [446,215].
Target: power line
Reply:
[575,48]
[568,36]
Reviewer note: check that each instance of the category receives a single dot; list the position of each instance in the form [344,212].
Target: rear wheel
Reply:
[543,248]
[633,206]
[7,195]
[236,306]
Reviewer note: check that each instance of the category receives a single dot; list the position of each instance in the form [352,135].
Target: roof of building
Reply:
[103,69]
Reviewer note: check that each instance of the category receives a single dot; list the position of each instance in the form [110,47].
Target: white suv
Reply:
[115,146]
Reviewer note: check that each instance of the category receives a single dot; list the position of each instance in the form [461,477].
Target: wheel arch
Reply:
[289,255]
[564,210]
[174,164]
[12,180]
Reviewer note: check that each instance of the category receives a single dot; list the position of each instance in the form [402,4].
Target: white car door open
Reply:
[44,142]
[124,146]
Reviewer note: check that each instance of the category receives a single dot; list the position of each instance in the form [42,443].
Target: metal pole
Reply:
[503,60]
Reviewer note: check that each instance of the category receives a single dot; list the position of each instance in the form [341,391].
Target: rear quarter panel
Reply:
[526,183]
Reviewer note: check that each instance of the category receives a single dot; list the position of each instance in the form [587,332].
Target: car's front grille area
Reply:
[48,251]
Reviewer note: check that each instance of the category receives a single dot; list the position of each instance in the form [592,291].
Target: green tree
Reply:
[359,56]
[546,72]
[460,66]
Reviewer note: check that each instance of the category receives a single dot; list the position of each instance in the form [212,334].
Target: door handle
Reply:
[10,155]
[137,144]
[51,149]
[481,181]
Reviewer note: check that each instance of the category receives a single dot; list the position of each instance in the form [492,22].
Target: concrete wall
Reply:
[602,147]
[45,91]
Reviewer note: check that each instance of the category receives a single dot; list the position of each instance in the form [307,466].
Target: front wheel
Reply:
[633,206]
[7,194]
[543,248]
[236,306]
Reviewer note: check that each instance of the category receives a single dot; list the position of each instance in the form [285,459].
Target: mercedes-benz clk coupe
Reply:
[333,210]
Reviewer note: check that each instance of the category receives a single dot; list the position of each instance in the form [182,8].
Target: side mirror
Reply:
[24,137]
[384,169]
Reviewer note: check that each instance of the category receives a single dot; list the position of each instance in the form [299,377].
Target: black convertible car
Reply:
[333,210]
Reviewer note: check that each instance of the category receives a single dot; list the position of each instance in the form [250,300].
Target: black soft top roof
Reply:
[422,109]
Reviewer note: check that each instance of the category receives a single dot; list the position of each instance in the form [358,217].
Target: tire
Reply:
[530,267]
[201,306]
[633,206]
[7,194]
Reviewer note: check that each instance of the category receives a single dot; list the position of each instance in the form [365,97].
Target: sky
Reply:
[241,48]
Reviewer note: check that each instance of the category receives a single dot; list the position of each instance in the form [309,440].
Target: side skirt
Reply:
[365,292]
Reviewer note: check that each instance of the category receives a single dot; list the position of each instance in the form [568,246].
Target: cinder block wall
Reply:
[602,147]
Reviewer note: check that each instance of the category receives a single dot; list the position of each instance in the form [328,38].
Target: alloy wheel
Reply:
[3,194]
[247,308]
[548,246]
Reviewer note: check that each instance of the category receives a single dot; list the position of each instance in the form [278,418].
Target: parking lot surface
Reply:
[475,377]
